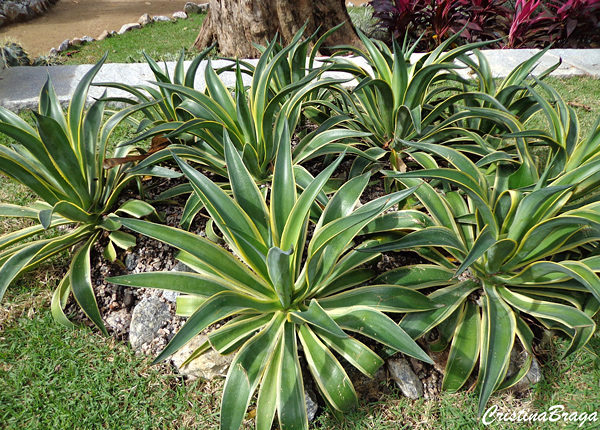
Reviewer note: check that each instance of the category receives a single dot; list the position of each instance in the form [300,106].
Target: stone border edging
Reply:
[20,86]
[145,19]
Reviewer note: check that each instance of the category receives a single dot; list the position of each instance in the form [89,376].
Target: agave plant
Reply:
[299,58]
[564,157]
[398,100]
[324,140]
[279,87]
[282,90]
[499,260]
[281,287]
[166,102]
[61,160]
[488,121]
[284,87]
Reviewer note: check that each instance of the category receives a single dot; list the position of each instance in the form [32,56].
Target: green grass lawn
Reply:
[55,378]
[52,377]
[582,94]
[156,39]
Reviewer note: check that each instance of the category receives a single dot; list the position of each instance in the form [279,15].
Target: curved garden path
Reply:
[76,18]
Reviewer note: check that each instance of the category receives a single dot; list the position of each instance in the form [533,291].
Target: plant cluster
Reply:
[61,159]
[501,216]
[520,24]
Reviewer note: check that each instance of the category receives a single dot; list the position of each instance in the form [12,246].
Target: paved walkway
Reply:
[20,86]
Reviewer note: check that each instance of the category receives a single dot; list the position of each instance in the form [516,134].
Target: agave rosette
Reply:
[61,160]
[279,88]
[281,288]
[395,100]
[498,259]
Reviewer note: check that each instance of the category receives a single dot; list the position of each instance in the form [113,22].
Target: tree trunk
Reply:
[236,24]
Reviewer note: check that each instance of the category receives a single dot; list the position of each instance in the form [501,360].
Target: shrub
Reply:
[580,18]
[499,258]
[61,160]
[563,22]
[286,288]
[526,23]
[431,22]
[530,25]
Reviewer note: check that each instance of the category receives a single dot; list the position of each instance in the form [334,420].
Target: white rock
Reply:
[87,39]
[191,8]
[147,318]
[76,42]
[127,27]
[145,19]
[64,45]
[53,51]
[180,15]
[209,365]
[131,260]
[170,296]
[103,35]
[160,18]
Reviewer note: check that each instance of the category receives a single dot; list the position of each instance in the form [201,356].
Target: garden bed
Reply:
[436,225]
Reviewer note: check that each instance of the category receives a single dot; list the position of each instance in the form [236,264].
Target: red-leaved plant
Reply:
[530,23]
[436,20]
[577,19]
[399,16]
[484,19]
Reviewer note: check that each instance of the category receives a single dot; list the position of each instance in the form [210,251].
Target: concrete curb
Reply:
[20,86]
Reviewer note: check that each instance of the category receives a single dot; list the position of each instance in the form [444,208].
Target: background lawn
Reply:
[157,40]
[163,41]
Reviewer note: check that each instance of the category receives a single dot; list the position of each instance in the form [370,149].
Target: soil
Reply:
[116,302]
[76,18]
